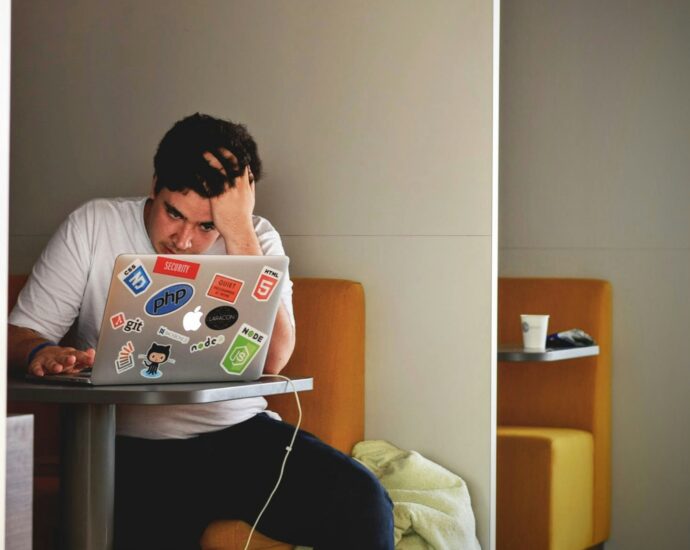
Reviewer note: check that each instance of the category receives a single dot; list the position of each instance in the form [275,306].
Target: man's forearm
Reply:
[20,342]
[282,343]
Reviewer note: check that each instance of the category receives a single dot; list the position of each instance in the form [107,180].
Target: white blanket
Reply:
[432,509]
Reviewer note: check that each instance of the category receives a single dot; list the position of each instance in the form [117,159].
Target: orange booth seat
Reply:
[330,315]
[554,422]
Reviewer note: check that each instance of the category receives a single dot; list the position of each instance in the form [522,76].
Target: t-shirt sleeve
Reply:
[50,301]
[272,245]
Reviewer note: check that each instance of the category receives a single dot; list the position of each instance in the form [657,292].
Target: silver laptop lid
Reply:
[188,318]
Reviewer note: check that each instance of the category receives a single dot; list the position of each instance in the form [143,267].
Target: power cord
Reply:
[287,453]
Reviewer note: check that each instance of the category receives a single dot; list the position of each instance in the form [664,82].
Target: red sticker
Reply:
[267,282]
[176,268]
[117,320]
[224,288]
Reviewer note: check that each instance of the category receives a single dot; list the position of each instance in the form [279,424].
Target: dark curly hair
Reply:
[179,163]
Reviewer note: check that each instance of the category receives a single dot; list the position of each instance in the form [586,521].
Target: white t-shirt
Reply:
[70,280]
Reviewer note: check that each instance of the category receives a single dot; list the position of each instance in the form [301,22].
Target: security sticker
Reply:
[224,288]
[176,268]
[246,344]
[266,283]
[154,358]
[135,277]
[165,331]
[210,342]
[124,360]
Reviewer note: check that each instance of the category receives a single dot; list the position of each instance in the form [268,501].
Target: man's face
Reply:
[180,222]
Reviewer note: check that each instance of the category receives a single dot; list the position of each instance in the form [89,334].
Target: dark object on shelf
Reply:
[573,338]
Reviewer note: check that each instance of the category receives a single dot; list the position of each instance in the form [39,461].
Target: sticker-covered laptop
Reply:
[185,318]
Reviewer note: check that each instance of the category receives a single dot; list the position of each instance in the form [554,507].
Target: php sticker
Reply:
[221,318]
[266,284]
[124,360]
[246,344]
[176,268]
[165,331]
[224,288]
[169,299]
[135,277]
[211,341]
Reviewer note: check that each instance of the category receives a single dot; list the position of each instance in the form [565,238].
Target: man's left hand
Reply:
[232,210]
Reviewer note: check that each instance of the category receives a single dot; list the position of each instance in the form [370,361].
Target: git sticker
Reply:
[266,283]
[224,288]
[246,344]
[125,359]
[135,277]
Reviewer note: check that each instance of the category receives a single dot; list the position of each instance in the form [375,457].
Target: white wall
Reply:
[595,173]
[375,123]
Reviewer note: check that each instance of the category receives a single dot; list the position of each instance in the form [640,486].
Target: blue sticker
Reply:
[169,299]
[135,278]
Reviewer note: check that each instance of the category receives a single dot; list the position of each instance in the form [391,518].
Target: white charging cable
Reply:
[287,453]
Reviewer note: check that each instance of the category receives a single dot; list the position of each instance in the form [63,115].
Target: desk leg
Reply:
[88,475]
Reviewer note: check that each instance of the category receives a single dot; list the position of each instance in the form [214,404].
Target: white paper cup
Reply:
[534,328]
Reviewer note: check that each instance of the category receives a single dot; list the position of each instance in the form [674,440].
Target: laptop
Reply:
[185,318]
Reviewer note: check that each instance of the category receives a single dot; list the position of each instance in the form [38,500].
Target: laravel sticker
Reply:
[266,283]
[176,268]
[224,288]
[135,277]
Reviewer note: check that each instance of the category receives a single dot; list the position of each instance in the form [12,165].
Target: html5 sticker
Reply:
[135,277]
[266,284]
[176,268]
[224,288]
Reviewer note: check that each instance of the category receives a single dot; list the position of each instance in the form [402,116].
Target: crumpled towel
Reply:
[432,508]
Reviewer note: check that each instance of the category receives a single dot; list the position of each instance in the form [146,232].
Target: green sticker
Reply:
[246,344]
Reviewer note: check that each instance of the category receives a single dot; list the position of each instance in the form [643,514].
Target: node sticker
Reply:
[135,277]
[211,341]
[221,317]
[266,283]
[165,331]
[169,299]
[224,288]
[176,268]
[125,361]
[246,344]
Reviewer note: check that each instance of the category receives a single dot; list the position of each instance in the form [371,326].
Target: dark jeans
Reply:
[168,491]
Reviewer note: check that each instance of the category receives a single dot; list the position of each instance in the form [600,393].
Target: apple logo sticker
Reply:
[191,320]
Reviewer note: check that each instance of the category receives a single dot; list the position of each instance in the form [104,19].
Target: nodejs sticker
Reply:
[165,331]
[211,341]
[246,344]
[124,360]
[224,288]
[176,268]
[154,358]
[221,317]
[119,321]
[169,299]
[135,277]
[266,284]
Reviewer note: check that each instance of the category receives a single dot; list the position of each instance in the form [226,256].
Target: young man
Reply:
[180,467]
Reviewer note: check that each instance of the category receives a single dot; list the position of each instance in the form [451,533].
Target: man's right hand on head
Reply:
[61,360]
